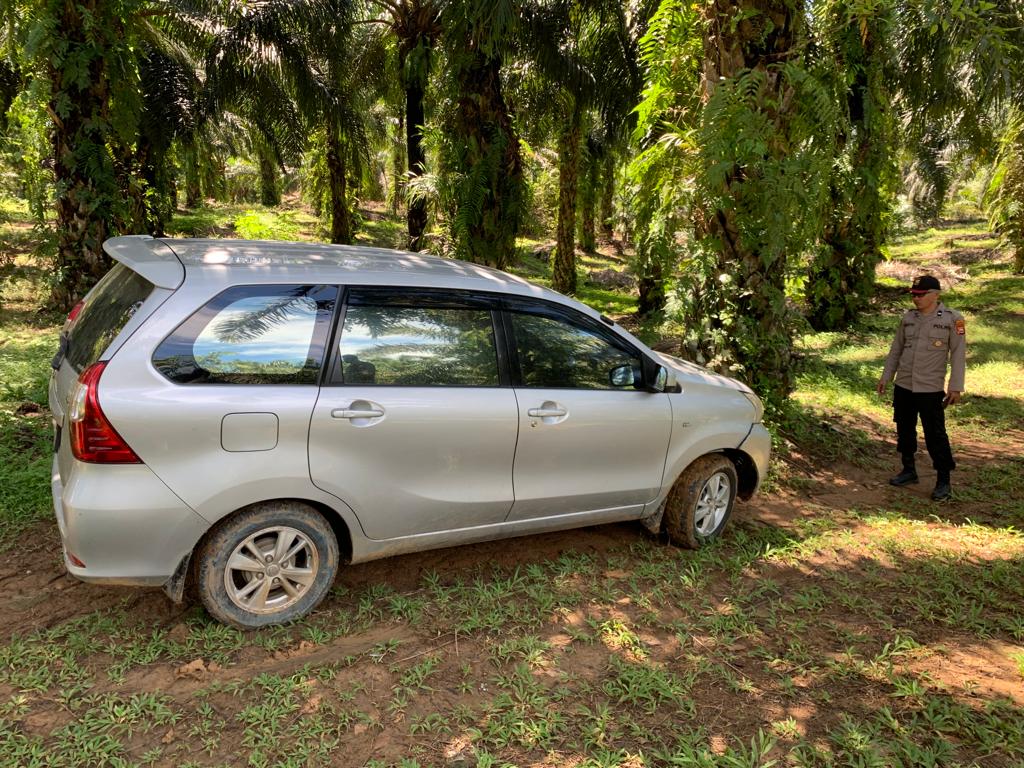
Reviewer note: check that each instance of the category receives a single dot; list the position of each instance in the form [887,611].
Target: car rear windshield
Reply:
[108,308]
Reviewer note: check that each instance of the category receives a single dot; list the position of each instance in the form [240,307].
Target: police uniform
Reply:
[923,347]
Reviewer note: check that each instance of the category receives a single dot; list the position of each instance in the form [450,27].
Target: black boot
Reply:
[908,475]
[942,488]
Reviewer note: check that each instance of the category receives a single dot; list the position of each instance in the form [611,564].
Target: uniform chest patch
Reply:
[937,343]
[961,329]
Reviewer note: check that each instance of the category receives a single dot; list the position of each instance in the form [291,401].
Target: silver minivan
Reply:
[245,416]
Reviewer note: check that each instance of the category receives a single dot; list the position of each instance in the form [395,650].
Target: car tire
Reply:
[268,564]
[701,501]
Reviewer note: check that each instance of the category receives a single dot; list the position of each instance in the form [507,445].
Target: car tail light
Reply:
[93,439]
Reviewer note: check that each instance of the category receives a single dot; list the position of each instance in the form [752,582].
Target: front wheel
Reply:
[267,565]
[701,501]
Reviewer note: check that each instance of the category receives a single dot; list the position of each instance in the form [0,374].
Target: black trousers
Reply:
[906,407]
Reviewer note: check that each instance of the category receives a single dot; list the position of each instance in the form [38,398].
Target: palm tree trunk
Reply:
[842,275]
[270,188]
[193,180]
[490,197]
[398,168]
[608,196]
[588,203]
[750,35]
[416,215]
[564,269]
[341,219]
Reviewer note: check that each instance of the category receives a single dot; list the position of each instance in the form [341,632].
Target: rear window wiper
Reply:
[62,351]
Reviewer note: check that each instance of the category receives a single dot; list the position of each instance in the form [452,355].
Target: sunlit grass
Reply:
[936,240]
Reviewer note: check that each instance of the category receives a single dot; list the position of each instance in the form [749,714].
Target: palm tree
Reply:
[735,164]
[857,54]
[479,161]
[416,27]
[1004,197]
[293,63]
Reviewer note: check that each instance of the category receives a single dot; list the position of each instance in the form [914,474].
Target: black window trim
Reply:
[317,343]
[402,296]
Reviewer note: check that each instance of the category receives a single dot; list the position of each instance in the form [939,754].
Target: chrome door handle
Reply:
[350,413]
[546,413]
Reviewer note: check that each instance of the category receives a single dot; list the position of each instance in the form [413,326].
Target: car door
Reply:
[586,444]
[416,428]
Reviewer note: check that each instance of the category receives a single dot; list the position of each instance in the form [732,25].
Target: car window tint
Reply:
[557,354]
[418,347]
[107,309]
[252,335]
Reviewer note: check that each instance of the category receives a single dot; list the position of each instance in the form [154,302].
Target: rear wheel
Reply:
[268,564]
[701,501]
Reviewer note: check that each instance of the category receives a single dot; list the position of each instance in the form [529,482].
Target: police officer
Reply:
[929,336]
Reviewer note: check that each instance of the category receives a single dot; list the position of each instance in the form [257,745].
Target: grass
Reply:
[880,633]
[842,368]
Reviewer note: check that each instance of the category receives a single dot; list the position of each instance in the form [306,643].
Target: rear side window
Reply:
[107,309]
[254,334]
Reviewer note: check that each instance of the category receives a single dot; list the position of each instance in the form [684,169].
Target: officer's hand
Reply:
[952,397]
[880,388]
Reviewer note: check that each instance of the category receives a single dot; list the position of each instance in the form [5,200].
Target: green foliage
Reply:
[24,148]
[736,180]
[84,51]
[856,59]
[267,225]
[1004,198]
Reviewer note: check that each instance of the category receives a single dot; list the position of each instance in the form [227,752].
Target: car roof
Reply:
[166,261]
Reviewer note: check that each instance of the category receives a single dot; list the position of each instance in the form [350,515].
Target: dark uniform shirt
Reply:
[923,346]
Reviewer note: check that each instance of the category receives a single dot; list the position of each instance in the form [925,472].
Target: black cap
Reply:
[924,283]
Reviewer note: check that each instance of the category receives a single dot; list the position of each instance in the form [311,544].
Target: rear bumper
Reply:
[758,446]
[123,523]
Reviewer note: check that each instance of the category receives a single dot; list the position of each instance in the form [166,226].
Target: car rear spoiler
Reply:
[153,259]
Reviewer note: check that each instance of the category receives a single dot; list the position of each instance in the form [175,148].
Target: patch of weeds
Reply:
[1018,659]
[280,727]
[618,636]
[691,749]
[432,723]
[528,649]
[26,434]
[648,687]
[382,232]
[99,735]
[414,679]
[524,714]
[382,650]
[787,729]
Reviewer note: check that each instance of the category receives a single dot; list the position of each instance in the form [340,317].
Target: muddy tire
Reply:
[701,501]
[268,564]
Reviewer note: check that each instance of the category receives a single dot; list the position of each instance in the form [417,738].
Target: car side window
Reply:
[255,334]
[555,352]
[417,346]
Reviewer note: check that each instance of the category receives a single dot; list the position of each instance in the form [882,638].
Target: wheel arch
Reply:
[184,577]
[746,472]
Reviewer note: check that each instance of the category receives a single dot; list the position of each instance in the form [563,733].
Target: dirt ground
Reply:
[36,594]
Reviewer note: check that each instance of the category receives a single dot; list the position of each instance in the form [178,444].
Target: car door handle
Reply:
[546,413]
[357,413]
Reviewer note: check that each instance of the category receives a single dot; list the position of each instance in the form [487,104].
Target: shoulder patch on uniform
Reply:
[961,329]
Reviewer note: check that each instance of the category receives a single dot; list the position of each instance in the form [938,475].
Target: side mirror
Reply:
[623,376]
[660,380]
[655,376]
